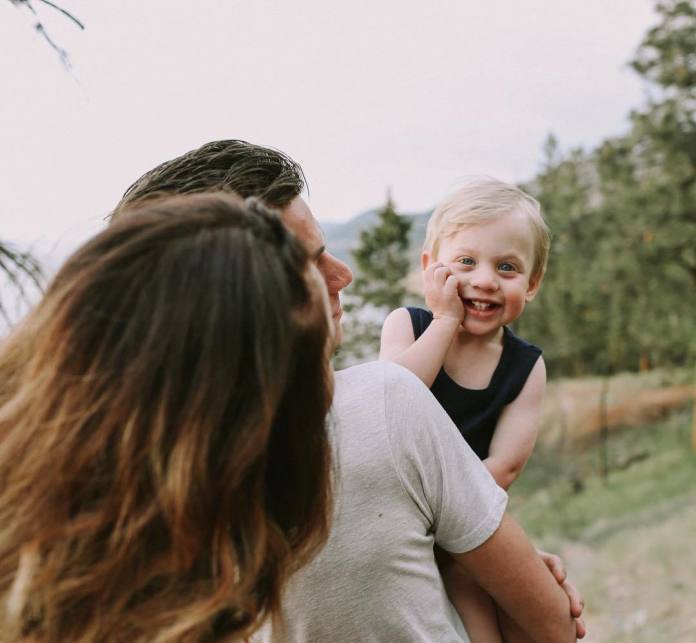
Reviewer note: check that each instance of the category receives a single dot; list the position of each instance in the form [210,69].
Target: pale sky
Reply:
[366,95]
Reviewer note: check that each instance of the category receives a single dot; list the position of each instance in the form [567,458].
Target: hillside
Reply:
[627,537]
[341,238]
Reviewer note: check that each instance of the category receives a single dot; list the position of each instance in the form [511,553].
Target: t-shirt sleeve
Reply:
[456,494]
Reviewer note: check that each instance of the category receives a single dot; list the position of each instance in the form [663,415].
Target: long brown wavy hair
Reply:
[164,464]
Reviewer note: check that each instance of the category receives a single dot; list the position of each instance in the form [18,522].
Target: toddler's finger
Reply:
[433,267]
[429,272]
[451,286]
[441,274]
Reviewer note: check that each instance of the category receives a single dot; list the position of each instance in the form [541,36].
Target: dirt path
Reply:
[639,578]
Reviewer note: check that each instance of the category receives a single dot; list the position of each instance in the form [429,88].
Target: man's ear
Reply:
[533,288]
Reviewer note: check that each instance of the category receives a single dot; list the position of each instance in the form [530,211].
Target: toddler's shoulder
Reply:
[519,344]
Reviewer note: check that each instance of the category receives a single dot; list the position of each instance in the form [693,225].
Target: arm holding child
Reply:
[508,568]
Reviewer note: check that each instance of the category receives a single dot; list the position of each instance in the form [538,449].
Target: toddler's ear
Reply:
[426,259]
[533,288]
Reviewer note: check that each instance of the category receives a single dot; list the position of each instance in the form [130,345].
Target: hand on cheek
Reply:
[441,290]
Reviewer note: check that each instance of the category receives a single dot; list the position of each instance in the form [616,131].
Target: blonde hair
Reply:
[482,199]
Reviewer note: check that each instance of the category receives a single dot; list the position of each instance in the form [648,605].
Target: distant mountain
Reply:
[341,238]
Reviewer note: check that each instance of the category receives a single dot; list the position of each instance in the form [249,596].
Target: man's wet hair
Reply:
[229,165]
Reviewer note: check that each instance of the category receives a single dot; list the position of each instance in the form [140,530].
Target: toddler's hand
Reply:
[441,289]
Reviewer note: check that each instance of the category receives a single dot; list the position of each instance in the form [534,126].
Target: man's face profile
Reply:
[337,275]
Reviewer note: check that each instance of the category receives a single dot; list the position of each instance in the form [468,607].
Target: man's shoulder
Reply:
[380,377]
[388,394]
[373,403]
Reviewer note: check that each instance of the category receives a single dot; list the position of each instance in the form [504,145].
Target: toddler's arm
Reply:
[517,428]
[425,356]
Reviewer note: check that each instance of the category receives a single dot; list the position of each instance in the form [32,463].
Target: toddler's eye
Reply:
[466,261]
[506,267]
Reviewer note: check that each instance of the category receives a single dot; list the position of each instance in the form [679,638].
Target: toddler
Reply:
[483,260]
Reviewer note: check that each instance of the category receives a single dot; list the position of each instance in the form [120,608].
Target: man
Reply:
[248,170]
[406,480]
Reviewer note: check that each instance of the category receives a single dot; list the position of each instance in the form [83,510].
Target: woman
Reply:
[163,460]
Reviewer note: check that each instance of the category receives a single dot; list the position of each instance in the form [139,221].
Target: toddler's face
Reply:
[492,262]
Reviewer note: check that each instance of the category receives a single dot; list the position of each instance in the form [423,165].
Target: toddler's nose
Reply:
[483,280]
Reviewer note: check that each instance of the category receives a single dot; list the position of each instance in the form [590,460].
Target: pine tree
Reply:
[622,270]
[382,261]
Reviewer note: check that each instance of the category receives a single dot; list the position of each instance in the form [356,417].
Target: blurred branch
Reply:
[62,54]
[67,14]
[39,27]
[17,267]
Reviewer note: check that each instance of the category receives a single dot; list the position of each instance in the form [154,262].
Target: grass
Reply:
[627,540]
[650,470]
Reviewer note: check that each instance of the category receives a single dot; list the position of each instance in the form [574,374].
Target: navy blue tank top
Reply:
[476,411]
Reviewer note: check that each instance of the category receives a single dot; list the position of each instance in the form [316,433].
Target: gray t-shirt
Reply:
[405,480]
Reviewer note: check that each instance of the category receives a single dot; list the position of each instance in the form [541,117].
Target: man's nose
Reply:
[336,273]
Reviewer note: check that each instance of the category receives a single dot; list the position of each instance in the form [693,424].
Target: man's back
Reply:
[405,480]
